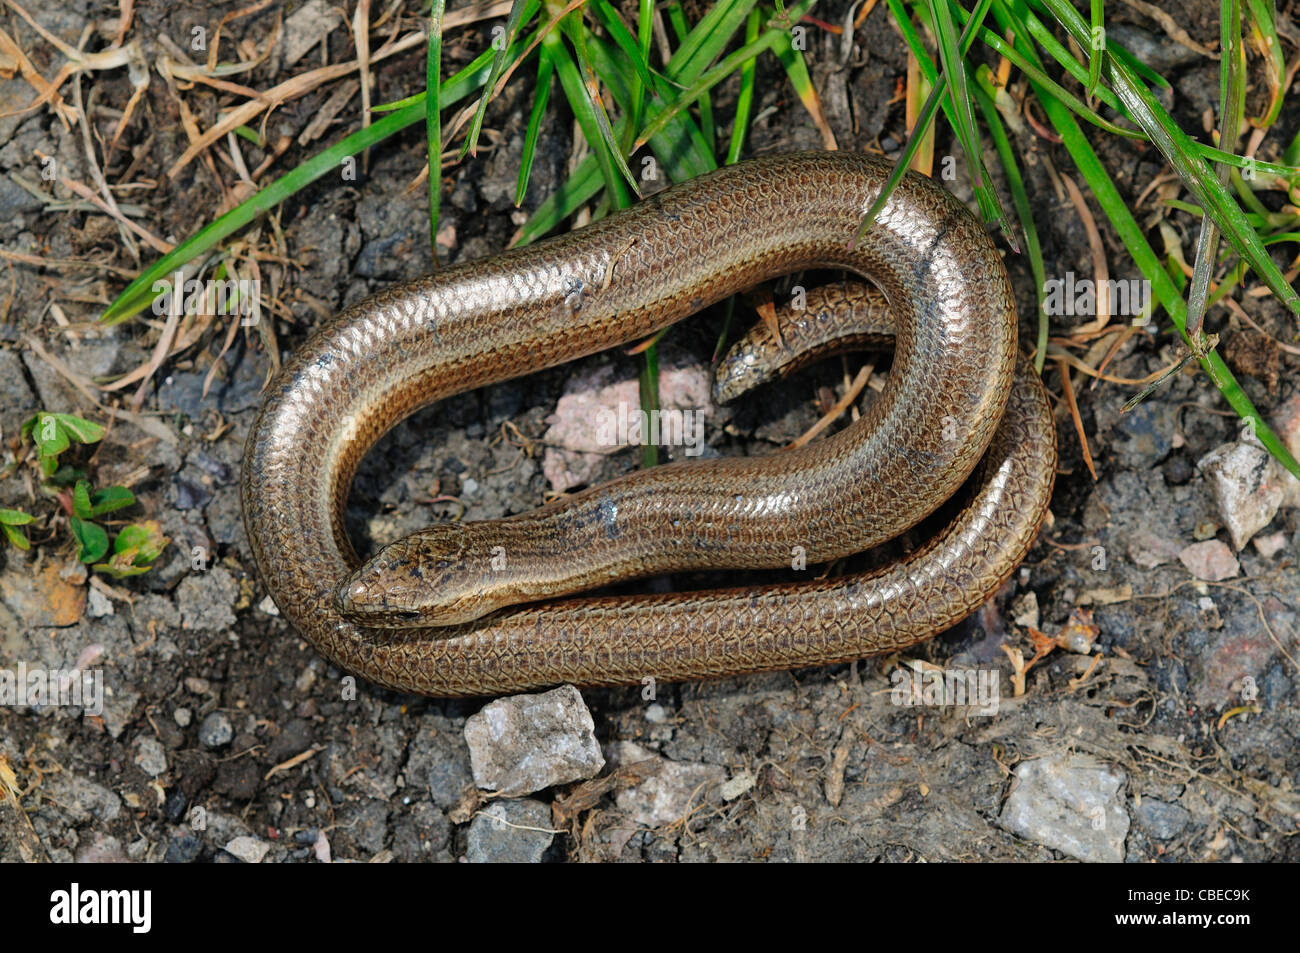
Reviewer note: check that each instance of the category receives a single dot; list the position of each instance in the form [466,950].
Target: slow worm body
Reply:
[620,280]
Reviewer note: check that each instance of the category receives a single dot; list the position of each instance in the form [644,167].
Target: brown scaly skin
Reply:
[620,280]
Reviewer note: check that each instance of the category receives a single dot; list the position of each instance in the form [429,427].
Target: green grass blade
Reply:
[704,44]
[681,147]
[1035,73]
[520,11]
[585,113]
[579,189]
[139,293]
[952,51]
[593,113]
[745,98]
[1232,90]
[1181,153]
[677,19]
[710,78]
[939,85]
[433,119]
[1164,288]
[649,388]
[1264,29]
[541,98]
[986,96]
[1096,46]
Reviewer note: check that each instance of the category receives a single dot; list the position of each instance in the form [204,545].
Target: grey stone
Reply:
[98,605]
[1155,50]
[1161,819]
[510,832]
[250,850]
[240,389]
[1247,487]
[1149,429]
[366,823]
[396,244]
[119,710]
[101,849]
[206,600]
[524,743]
[1070,803]
[672,790]
[183,849]
[149,756]
[17,402]
[82,799]
[216,730]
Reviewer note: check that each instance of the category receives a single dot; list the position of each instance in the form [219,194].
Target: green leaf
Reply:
[135,550]
[121,569]
[65,475]
[588,115]
[92,537]
[1097,47]
[81,500]
[1232,90]
[53,433]
[251,135]
[15,517]
[745,98]
[81,430]
[658,119]
[937,98]
[131,537]
[109,499]
[49,437]
[988,99]
[519,11]
[16,536]
[541,97]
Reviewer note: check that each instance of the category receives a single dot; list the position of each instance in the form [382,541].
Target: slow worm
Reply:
[954,374]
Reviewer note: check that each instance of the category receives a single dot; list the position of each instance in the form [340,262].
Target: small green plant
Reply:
[135,550]
[137,545]
[54,433]
[10,520]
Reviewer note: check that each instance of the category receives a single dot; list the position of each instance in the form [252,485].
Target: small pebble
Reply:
[98,605]
[149,756]
[197,686]
[216,730]
[250,850]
